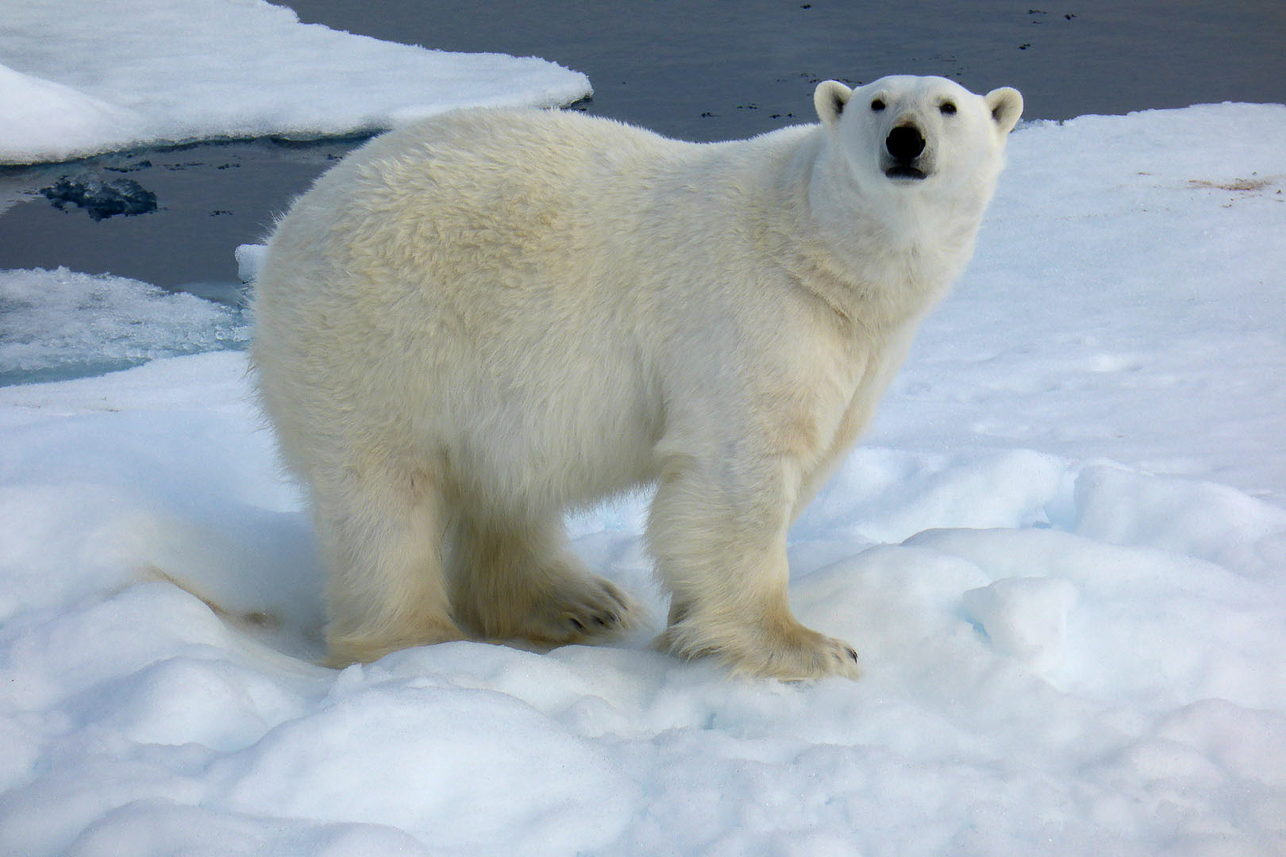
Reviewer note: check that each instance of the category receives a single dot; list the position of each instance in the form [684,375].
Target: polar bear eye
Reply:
[877,105]
[948,108]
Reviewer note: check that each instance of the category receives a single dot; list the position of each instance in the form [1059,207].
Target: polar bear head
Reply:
[906,134]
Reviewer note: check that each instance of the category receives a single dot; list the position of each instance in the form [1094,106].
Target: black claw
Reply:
[579,625]
[851,653]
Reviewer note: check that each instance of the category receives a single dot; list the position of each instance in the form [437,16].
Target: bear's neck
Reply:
[885,258]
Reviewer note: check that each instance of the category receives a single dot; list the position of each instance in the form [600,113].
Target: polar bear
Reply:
[475,323]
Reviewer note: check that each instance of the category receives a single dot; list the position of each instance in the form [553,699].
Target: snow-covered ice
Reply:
[77,79]
[249,260]
[1023,616]
[1061,552]
[62,323]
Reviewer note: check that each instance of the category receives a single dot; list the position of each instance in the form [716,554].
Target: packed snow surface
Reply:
[81,78]
[1061,552]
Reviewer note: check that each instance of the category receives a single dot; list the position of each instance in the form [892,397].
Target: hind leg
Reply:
[381,532]
[519,579]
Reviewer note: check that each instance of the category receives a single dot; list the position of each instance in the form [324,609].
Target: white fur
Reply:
[475,323]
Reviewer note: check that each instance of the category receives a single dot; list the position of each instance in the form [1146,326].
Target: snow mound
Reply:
[1027,682]
[79,79]
[47,121]
[1024,616]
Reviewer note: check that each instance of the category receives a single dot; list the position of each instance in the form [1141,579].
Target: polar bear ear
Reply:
[1006,106]
[829,98]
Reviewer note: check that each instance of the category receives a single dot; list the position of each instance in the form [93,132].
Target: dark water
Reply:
[698,70]
[208,198]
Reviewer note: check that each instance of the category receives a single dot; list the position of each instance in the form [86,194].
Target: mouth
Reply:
[905,172]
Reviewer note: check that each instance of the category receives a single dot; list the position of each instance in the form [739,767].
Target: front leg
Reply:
[718,533]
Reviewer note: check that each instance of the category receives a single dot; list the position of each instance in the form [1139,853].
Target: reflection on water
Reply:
[100,197]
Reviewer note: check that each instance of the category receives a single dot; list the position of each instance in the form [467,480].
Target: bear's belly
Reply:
[559,439]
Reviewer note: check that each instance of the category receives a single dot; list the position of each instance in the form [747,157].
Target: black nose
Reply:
[905,143]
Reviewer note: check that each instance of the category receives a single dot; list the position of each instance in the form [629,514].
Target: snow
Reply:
[61,323]
[1024,617]
[1060,552]
[249,260]
[78,79]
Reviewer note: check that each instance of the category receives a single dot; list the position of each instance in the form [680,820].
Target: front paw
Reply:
[784,650]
